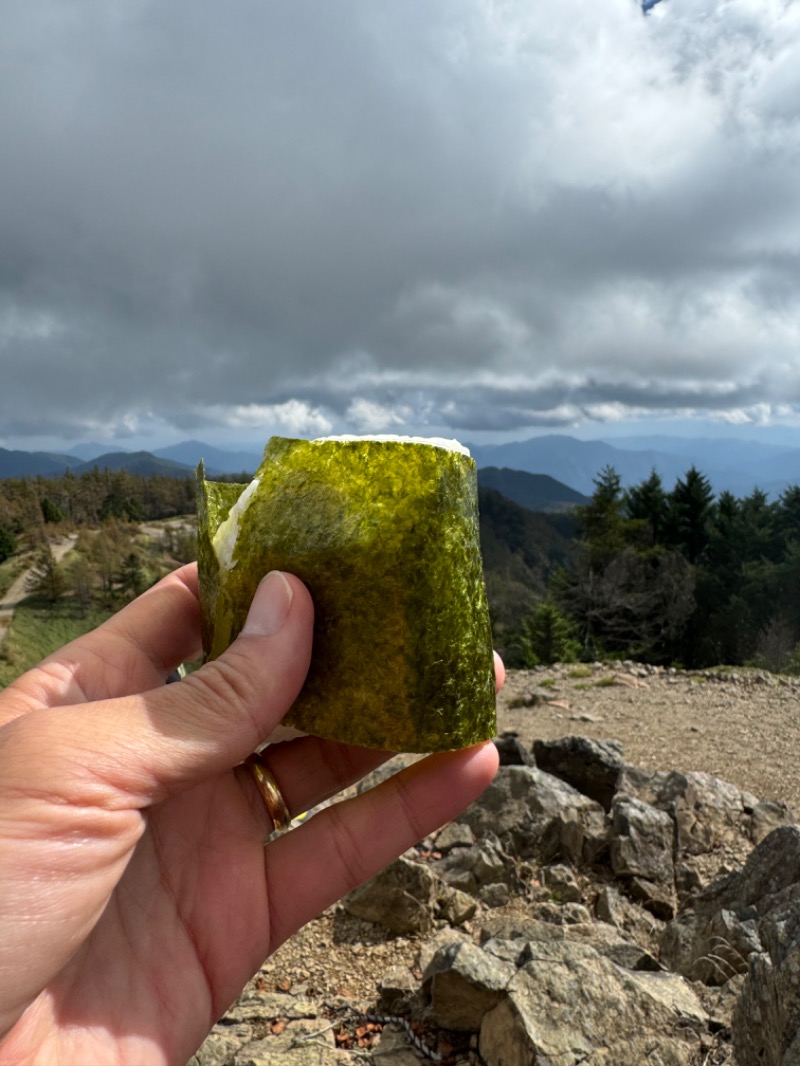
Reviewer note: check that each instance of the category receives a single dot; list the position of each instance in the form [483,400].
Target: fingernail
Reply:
[270,607]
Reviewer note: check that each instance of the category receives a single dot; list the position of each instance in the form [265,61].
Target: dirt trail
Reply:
[18,591]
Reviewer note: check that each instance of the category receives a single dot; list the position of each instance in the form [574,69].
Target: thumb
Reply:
[219,714]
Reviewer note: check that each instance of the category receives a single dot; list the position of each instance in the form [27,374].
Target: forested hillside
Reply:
[667,576]
[683,577]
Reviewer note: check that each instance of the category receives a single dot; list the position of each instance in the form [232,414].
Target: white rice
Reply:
[436,442]
[225,538]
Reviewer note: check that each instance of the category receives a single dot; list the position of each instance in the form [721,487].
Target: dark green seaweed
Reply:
[385,536]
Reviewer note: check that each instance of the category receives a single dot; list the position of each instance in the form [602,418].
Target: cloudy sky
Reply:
[483,218]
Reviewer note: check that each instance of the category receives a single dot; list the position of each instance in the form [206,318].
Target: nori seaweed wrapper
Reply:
[385,535]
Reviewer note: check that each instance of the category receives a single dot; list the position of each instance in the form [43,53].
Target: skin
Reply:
[136,896]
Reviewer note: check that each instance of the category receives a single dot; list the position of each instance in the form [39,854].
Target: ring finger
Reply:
[307,771]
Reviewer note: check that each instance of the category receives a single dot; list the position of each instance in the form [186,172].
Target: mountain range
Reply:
[736,464]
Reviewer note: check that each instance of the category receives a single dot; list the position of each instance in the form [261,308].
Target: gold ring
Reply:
[270,793]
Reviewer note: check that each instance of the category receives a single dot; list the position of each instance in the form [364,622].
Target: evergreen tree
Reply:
[51,512]
[545,636]
[690,514]
[647,505]
[602,523]
[80,582]
[133,577]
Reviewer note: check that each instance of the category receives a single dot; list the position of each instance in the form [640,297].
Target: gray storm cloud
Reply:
[469,214]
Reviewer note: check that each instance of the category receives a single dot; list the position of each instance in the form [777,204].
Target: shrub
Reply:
[8,544]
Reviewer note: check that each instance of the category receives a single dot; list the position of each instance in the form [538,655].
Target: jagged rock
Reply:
[706,810]
[512,751]
[496,895]
[482,864]
[566,986]
[463,982]
[716,823]
[641,926]
[610,906]
[402,897]
[306,1040]
[397,991]
[453,835]
[570,1005]
[407,897]
[536,815]
[455,907]
[526,932]
[766,1020]
[658,899]
[560,880]
[641,843]
[591,766]
[766,816]
[561,913]
[642,783]
[307,1044]
[222,1043]
[727,915]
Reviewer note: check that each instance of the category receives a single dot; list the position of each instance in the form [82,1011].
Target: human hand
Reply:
[136,898]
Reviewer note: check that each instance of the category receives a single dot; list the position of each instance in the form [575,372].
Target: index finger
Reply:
[131,652]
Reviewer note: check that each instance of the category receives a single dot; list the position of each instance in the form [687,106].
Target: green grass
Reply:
[605,682]
[39,629]
[580,672]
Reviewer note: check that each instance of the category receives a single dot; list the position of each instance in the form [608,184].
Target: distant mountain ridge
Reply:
[219,460]
[14,463]
[736,464]
[536,492]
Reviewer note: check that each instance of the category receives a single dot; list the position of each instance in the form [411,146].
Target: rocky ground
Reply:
[742,727]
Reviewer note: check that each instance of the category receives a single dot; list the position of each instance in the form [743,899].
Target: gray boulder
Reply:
[641,845]
[512,751]
[485,863]
[407,897]
[724,920]
[592,767]
[537,815]
[463,982]
[569,1005]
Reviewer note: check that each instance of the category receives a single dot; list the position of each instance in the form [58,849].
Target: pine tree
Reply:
[690,514]
[546,636]
[648,505]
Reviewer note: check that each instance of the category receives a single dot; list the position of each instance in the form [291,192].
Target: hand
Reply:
[136,897]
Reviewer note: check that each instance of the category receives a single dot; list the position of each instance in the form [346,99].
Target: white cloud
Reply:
[293,417]
[479,213]
[369,417]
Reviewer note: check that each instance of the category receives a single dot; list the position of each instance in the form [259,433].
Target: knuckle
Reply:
[225,689]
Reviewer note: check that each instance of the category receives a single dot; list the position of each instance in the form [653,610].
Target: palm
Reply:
[138,890]
[185,927]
